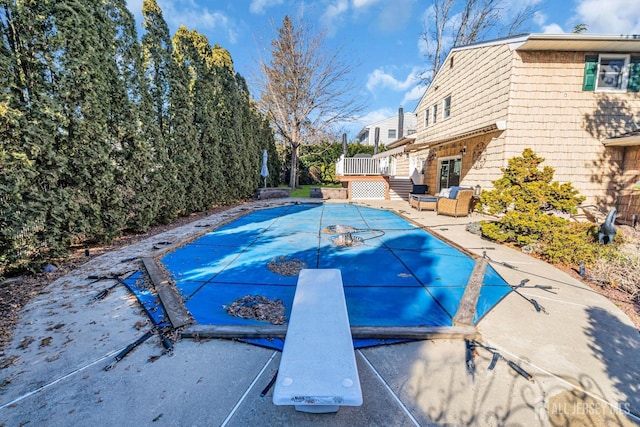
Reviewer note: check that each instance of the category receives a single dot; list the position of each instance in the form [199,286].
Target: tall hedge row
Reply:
[103,132]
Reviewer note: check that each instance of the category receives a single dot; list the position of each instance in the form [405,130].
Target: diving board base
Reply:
[318,371]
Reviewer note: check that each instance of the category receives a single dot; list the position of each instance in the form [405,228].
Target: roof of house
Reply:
[563,42]
[407,114]
[624,140]
[573,42]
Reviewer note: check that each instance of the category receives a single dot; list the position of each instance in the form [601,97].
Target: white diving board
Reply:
[318,371]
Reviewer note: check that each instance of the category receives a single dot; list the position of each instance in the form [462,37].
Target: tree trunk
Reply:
[293,177]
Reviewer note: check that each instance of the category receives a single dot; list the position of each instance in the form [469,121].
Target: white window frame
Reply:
[624,77]
[426,117]
[389,133]
[435,113]
[446,108]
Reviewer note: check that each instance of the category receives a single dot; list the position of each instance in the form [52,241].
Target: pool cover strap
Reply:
[471,350]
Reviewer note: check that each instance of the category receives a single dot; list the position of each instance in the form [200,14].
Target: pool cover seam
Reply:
[244,249]
[409,269]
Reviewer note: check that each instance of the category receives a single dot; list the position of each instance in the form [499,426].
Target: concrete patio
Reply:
[584,356]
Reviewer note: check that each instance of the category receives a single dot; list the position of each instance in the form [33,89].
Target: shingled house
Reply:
[572,98]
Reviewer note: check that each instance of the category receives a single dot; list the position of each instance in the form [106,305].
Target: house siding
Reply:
[540,96]
[629,199]
[551,114]
[478,98]
[478,84]
[409,125]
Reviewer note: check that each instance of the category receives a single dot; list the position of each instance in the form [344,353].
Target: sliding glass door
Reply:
[449,173]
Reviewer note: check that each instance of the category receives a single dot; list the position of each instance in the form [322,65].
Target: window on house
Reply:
[392,133]
[426,118]
[612,72]
[435,113]
[446,107]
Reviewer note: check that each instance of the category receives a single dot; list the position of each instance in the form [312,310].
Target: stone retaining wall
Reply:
[273,193]
[329,193]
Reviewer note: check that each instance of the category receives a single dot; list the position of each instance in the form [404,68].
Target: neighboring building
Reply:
[572,98]
[390,129]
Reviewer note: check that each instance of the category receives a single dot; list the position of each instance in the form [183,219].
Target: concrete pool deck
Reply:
[584,356]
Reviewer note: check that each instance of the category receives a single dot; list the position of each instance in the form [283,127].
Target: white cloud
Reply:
[201,19]
[333,15]
[413,95]
[259,6]
[395,15]
[552,29]
[379,79]
[617,17]
[357,4]
[375,116]
[539,18]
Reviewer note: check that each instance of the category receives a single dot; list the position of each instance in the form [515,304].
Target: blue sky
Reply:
[382,37]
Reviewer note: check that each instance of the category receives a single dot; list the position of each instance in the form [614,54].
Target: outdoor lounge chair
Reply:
[457,204]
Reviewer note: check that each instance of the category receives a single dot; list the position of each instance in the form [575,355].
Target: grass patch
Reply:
[305,190]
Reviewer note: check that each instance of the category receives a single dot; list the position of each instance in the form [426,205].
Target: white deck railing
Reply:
[363,166]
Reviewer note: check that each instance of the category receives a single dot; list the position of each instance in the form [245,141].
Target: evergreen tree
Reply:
[206,100]
[83,65]
[99,133]
[184,144]
[157,47]
[158,62]
[253,142]
[230,118]
[132,123]
[35,211]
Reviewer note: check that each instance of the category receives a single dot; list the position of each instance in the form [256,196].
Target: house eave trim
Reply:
[625,141]
[500,125]
[388,153]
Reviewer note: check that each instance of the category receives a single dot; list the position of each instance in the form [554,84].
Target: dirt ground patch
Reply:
[16,292]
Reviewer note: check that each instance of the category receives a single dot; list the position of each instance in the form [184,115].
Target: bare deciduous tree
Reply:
[458,23]
[304,89]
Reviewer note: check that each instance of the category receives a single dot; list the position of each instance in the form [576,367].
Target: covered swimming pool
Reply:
[395,273]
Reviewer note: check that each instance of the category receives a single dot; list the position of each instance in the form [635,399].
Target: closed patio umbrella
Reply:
[265,170]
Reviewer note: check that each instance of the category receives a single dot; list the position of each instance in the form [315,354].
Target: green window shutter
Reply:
[590,71]
[634,74]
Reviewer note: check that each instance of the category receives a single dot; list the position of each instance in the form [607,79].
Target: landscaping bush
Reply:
[529,204]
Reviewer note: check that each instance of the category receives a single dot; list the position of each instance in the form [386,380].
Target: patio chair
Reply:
[457,204]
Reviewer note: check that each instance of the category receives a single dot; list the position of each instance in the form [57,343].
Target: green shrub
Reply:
[573,244]
[527,199]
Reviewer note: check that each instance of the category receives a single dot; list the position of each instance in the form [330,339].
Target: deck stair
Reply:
[400,188]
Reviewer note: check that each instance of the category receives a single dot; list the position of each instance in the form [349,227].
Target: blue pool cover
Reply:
[399,274]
